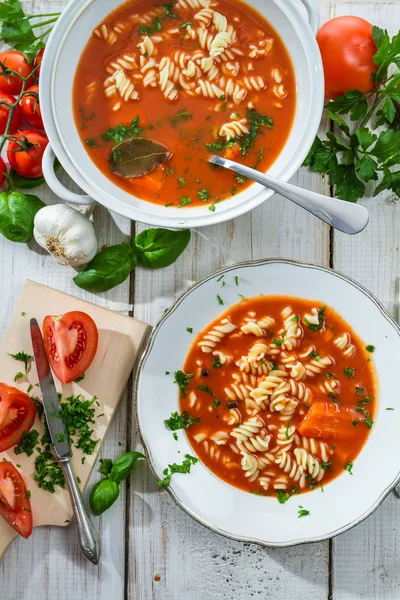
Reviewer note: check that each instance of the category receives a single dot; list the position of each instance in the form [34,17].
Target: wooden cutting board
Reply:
[120,341]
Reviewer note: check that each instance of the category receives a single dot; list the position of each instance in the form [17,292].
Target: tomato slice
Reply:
[17,415]
[71,344]
[15,507]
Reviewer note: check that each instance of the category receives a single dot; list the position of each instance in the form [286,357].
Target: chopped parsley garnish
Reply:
[84,116]
[202,195]
[287,430]
[189,329]
[329,375]
[349,467]
[91,143]
[258,493]
[368,420]
[355,422]
[80,378]
[175,436]
[182,380]
[349,372]
[39,406]
[370,348]
[212,207]
[220,301]
[184,201]
[18,376]
[216,403]
[23,314]
[120,132]
[390,409]
[182,181]
[314,326]
[183,421]
[175,468]
[240,178]
[28,443]
[28,494]
[216,363]
[302,512]
[282,496]
[314,355]
[359,390]
[206,389]
[78,413]
[278,343]
[30,386]
[333,397]
[22,357]
[155,26]
[60,437]
[185,24]
[255,121]
[327,466]
[181,115]
[236,278]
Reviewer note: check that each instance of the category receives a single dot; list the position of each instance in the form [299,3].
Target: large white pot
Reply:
[61,58]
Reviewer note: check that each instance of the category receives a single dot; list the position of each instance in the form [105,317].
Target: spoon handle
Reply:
[345,216]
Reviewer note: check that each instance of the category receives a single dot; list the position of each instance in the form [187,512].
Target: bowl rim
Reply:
[148,348]
[148,215]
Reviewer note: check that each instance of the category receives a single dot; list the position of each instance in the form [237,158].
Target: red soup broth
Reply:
[250,88]
[300,438]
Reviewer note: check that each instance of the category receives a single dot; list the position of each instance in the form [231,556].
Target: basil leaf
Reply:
[109,268]
[123,466]
[160,247]
[17,213]
[21,182]
[103,495]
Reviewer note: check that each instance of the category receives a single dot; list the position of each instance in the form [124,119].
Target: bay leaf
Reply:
[137,156]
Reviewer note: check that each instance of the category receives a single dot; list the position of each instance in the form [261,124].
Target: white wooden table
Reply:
[151,549]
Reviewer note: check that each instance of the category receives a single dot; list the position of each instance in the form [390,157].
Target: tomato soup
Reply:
[284,390]
[199,77]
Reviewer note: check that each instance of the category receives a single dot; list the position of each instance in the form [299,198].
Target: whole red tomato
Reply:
[3,170]
[26,157]
[5,111]
[347,48]
[31,107]
[38,62]
[12,84]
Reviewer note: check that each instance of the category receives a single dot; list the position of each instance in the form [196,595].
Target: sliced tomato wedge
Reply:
[15,507]
[17,415]
[71,344]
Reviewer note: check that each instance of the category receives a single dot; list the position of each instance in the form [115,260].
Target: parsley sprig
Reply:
[183,421]
[175,468]
[358,155]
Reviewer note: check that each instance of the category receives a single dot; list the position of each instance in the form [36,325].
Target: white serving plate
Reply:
[227,510]
[63,51]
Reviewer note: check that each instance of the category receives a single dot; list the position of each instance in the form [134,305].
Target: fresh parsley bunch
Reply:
[361,155]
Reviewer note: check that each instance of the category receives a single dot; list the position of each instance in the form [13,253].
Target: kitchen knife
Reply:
[88,537]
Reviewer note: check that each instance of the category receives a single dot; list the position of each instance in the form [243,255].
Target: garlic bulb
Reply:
[66,234]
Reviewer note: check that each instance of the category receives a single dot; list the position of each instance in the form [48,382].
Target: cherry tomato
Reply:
[17,413]
[3,169]
[12,84]
[347,48]
[5,111]
[15,507]
[31,107]
[38,62]
[71,344]
[26,159]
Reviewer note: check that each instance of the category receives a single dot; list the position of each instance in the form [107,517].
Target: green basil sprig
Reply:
[109,268]
[160,247]
[106,491]
[103,495]
[154,248]
[17,213]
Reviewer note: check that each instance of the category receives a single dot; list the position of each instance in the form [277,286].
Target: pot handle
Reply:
[55,185]
[311,7]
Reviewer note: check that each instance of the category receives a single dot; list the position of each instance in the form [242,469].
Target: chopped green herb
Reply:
[28,494]
[60,437]
[184,201]
[220,301]
[28,443]
[175,436]
[120,132]
[327,466]
[182,181]
[233,191]
[349,467]
[202,195]
[240,178]
[349,372]
[314,326]
[333,397]
[78,413]
[314,355]
[287,430]
[216,403]
[23,314]
[370,348]
[39,406]
[183,421]
[302,512]
[78,479]
[175,468]
[212,207]
[185,24]
[359,390]
[80,378]
[216,363]
[169,204]
[22,357]
[30,386]
[355,422]
[206,389]
[91,143]
[258,493]
[329,375]
[255,121]
[282,496]
[368,420]
[182,380]
[18,376]
[390,409]
[189,329]
[181,115]
[236,278]
[167,372]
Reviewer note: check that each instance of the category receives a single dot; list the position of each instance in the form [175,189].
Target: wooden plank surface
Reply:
[151,549]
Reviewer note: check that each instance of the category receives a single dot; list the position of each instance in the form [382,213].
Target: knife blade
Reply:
[51,403]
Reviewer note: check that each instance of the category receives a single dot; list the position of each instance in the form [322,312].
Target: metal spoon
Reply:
[345,216]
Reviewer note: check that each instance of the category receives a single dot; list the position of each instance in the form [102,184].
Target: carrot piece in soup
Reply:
[232,153]
[328,420]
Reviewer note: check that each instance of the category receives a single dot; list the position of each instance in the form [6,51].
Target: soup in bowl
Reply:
[155,89]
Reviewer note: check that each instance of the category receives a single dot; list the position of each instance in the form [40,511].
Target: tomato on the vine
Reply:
[5,111]
[347,49]
[38,62]
[15,61]
[31,107]
[25,156]
[3,170]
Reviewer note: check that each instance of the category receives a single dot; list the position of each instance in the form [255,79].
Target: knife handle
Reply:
[88,537]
